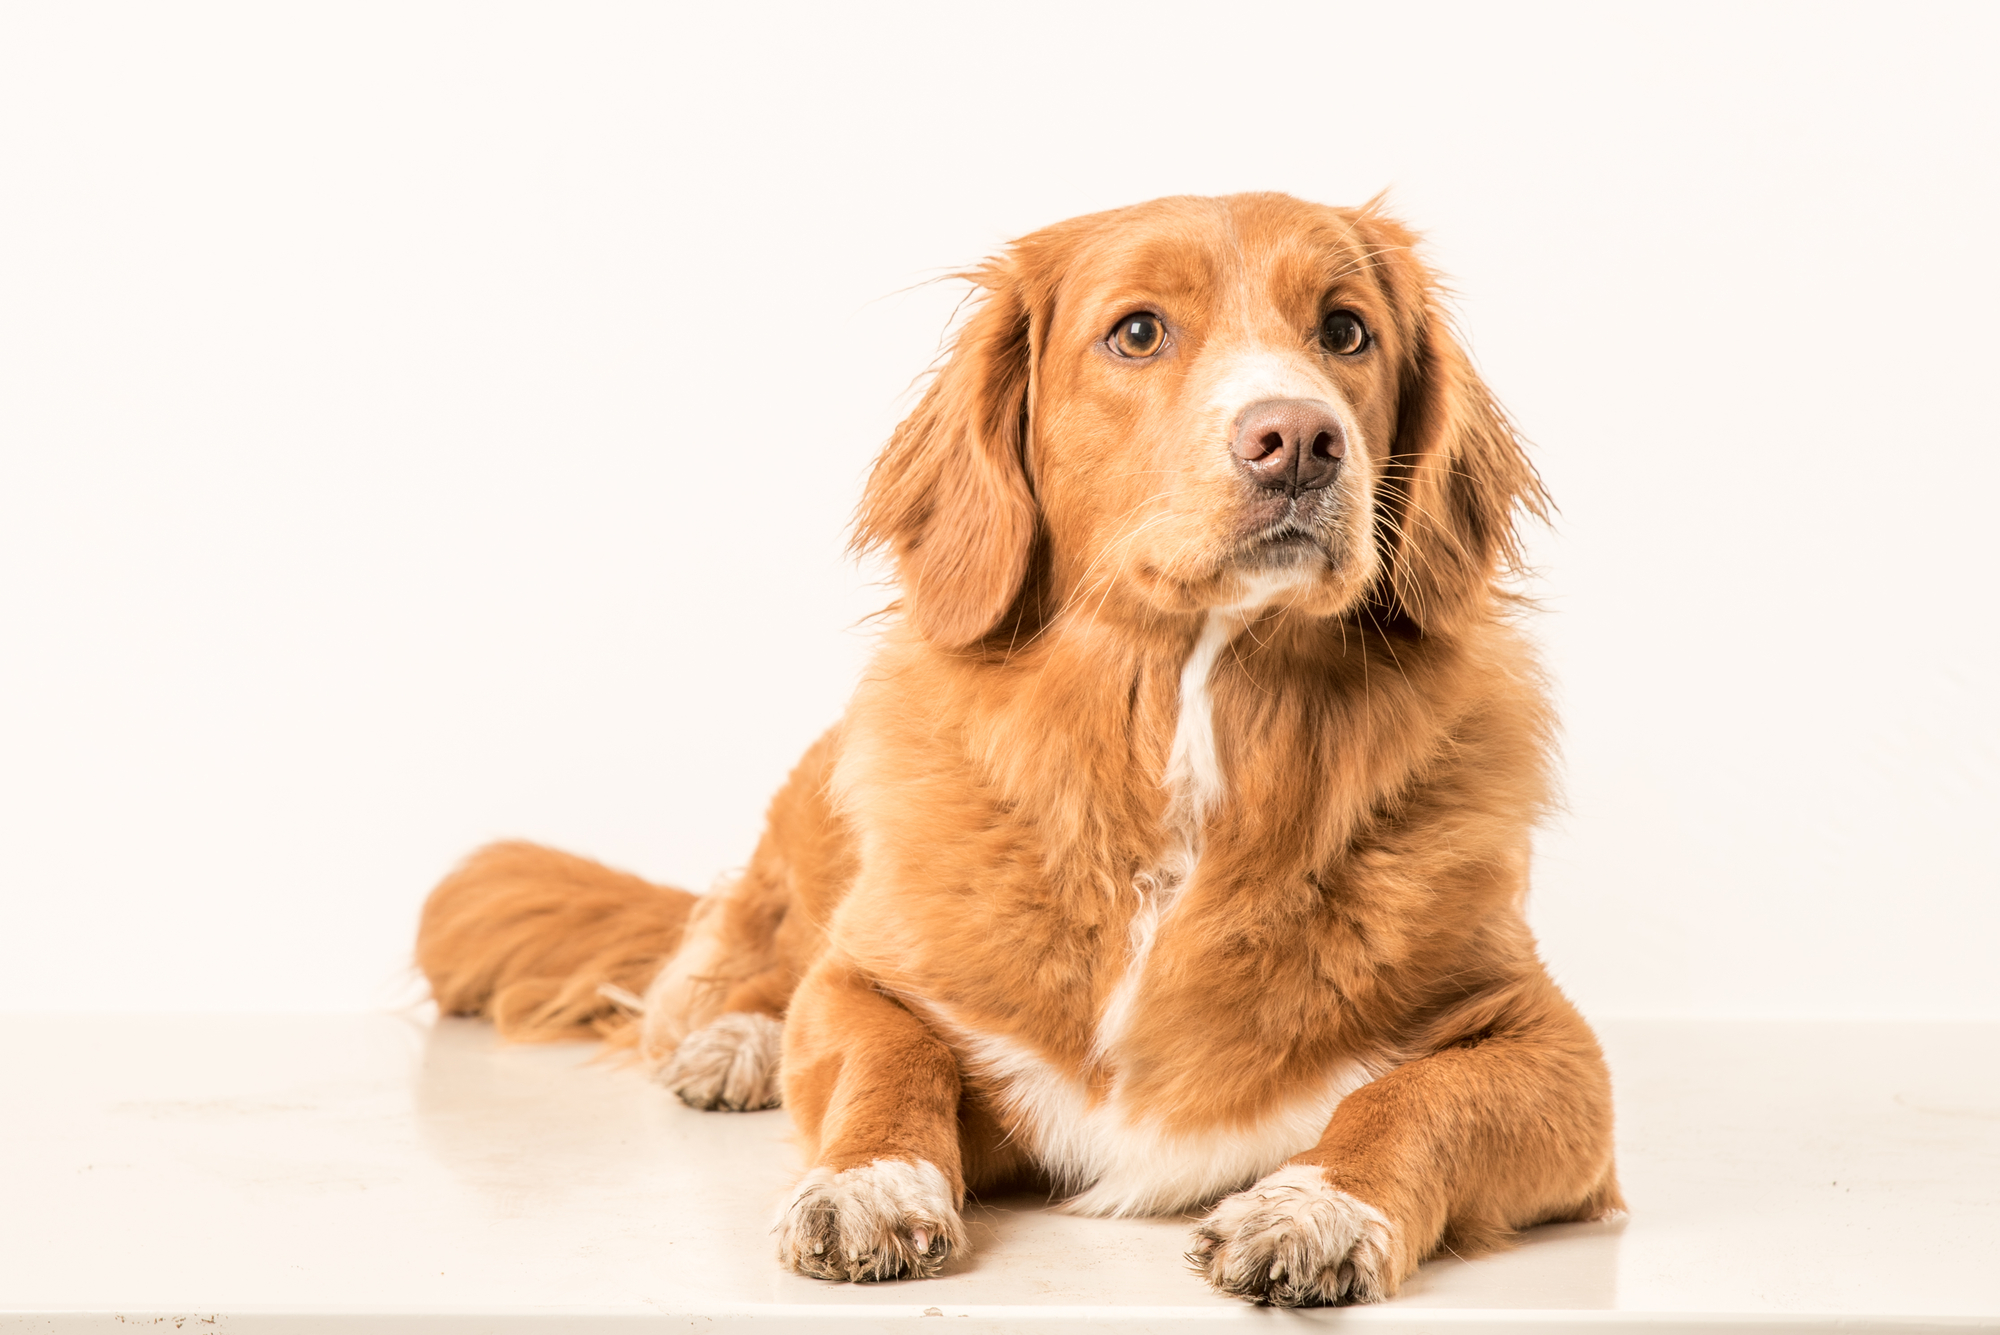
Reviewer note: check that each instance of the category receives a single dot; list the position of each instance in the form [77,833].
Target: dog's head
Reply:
[1201,403]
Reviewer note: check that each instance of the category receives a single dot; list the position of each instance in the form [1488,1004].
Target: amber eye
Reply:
[1139,335]
[1342,333]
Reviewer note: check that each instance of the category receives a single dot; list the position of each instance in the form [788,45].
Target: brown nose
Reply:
[1293,444]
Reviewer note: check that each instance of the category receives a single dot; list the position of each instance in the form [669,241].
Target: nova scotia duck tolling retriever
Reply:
[1172,853]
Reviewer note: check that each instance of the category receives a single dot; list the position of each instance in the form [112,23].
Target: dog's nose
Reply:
[1295,444]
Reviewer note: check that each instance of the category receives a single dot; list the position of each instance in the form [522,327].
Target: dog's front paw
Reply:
[1293,1240]
[891,1219]
[731,1062]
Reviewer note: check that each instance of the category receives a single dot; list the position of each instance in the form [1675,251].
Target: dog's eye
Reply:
[1342,333]
[1139,335]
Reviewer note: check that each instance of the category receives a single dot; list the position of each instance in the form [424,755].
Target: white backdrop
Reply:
[420,425]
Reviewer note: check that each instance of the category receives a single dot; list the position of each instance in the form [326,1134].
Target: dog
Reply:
[1172,853]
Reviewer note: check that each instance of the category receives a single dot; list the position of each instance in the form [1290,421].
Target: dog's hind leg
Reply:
[552,946]
[714,1016]
[534,939]
[731,1062]
[716,1041]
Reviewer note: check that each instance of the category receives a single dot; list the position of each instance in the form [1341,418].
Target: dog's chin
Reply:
[1321,573]
[1318,573]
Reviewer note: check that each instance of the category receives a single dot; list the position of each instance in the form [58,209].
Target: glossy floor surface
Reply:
[375,1173]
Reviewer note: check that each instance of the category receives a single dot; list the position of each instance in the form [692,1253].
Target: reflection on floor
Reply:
[371,1169]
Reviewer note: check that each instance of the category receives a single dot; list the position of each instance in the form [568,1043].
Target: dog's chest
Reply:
[1164,1113]
[1179,1096]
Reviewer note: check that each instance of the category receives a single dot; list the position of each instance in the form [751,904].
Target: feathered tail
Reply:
[547,945]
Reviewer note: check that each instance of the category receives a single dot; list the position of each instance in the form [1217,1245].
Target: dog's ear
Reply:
[949,496]
[1457,481]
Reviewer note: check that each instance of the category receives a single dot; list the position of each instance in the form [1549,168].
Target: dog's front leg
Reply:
[1510,1127]
[875,1095]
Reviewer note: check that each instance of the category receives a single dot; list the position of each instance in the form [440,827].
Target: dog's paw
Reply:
[1292,1240]
[731,1062]
[890,1219]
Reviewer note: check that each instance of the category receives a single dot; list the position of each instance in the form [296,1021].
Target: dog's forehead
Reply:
[1200,258]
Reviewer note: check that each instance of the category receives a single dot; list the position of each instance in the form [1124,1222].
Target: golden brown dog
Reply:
[1173,851]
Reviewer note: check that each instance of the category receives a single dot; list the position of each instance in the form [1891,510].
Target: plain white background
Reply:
[425,424]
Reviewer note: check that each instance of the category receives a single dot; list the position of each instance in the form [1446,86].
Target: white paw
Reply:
[1292,1240]
[730,1062]
[891,1219]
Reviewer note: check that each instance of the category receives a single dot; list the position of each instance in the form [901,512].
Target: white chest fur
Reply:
[1195,785]
[1118,1159]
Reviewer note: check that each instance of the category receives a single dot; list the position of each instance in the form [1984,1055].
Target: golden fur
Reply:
[1176,842]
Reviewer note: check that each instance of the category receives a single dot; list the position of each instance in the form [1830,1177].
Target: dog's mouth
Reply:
[1289,541]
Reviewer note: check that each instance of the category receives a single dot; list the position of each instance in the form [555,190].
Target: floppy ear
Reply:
[1455,483]
[949,495]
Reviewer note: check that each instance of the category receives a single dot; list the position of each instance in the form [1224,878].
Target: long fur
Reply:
[532,938]
[1176,840]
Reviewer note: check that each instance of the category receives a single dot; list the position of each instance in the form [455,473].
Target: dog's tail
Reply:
[547,945]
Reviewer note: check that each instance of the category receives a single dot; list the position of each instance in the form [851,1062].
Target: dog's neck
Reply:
[1138,718]
[1194,770]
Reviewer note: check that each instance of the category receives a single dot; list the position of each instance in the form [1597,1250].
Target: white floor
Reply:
[309,1174]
